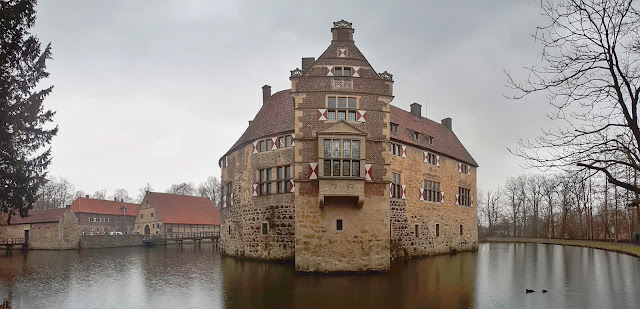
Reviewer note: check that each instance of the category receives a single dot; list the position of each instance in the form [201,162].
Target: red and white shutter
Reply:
[459,167]
[468,170]
[224,201]
[255,147]
[404,192]
[390,148]
[330,70]
[292,186]
[231,199]
[425,156]
[293,139]
[457,199]
[471,202]
[361,116]
[367,172]
[342,52]
[313,170]
[255,189]
[322,114]
[404,151]
[422,194]
[438,161]
[274,141]
[390,190]
[442,197]
[355,72]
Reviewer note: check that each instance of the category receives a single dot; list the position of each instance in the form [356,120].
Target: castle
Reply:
[331,175]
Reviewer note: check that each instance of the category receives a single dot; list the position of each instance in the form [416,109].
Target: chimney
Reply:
[307,62]
[266,94]
[86,196]
[447,123]
[67,208]
[342,31]
[416,110]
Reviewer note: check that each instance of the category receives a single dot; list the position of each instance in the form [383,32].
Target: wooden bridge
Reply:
[180,237]
[10,242]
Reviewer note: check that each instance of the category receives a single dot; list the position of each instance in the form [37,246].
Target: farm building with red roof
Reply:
[102,217]
[162,213]
[333,176]
[54,229]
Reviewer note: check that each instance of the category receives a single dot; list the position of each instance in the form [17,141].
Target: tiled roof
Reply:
[95,206]
[184,209]
[275,117]
[40,216]
[444,140]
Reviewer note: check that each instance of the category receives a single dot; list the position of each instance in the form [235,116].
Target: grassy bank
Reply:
[610,246]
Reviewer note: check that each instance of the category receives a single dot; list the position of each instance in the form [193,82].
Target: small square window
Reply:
[416,136]
[339,225]
[437,230]
[265,228]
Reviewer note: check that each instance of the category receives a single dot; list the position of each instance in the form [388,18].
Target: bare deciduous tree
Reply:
[143,191]
[183,188]
[211,189]
[121,195]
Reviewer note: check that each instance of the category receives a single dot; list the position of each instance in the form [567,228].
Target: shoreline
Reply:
[624,248]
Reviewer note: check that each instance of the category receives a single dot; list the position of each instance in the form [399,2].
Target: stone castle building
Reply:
[330,174]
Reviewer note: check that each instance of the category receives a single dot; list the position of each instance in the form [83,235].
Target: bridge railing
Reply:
[183,235]
[12,241]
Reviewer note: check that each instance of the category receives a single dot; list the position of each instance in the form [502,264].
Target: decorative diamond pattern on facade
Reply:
[313,170]
[442,197]
[422,194]
[274,141]
[404,151]
[355,72]
[231,199]
[367,172]
[255,189]
[322,114]
[361,116]
[330,71]
[457,199]
[342,52]
[255,147]
[293,139]
[404,192]
[292,186]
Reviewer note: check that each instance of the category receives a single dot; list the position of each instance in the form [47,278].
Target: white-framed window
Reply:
[396,149]
[464,196]
[464,168]
[432,158]
[341,157]
[341,108]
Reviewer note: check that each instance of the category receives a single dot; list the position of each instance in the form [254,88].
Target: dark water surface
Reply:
[494,277]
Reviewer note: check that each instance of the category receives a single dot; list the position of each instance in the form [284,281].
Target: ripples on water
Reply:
[494,277]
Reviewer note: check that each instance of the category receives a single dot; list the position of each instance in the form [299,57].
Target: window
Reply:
[431,191]
[342,71]
[437,230]
[396,185]
[283,175]
[416,135]
[341,157]
[464,196]
[394,128]
[151,215]
[269,144]
[464,168]
[265,228]
[396,149]
[430,139]
[227,192]
[229,229]
[284,141]
[262,146]
[341,108]
[264,181]
[339,225]
[432,158]
[141,216]
[416,230]
[460,229]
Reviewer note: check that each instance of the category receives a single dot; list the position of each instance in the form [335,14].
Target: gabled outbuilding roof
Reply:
[183,209]
[96,206]
[40,216]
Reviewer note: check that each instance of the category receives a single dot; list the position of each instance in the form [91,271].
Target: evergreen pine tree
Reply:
[23,135]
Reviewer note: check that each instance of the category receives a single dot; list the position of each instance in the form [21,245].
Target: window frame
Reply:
[393,127]
[266,180]
[396,185]
[334,110]
[337,163]
[432,158]
[432,194]
[464,196]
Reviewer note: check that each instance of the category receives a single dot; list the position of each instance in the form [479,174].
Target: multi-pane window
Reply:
[464,168]
[432,158]
[262,146]
[341,108]
[264,181]
[464,196]
[396,185]
[269,144]
[281,141]
[394,128]
[416,135]
[284,141]
[342,71]
[431,191]
[227,192]
[396,149]
[283,175]
[341,157]
[430,139]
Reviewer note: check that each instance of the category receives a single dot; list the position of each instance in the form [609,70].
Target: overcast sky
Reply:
[156,91]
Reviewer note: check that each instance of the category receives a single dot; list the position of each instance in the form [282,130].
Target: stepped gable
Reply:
[40,216]
[275,117]
[104,207]
[444,140]
[184,209]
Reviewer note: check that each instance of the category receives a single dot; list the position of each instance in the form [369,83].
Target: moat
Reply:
[495,276]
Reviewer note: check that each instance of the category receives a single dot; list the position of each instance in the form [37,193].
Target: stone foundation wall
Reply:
[64,234]
[110,241]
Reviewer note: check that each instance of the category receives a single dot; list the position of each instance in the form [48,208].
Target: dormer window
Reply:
[394,128]
[430,139]
[416,136]
[341,108]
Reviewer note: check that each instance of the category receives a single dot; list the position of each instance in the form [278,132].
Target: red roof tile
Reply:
[40,216]
[275,117]
[95,206]
[444,140]
[184,209]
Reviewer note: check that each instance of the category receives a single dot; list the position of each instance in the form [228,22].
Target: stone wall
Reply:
[242,218]
[110,241]
[64,234]
[406,214]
